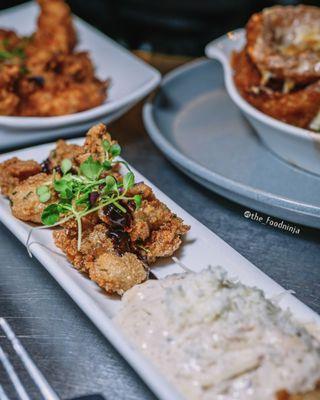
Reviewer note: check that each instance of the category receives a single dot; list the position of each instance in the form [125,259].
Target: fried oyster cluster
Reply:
[116,247]
[42,75]
[278,71]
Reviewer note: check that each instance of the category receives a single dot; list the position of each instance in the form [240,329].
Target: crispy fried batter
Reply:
[51,79]
[285,41]
[93,143]
[55,31]
[278,71]
[93,147]
[297,108]
[163,242]
[94,242]
[62,151]
[97,257]
[14,171]
[117,274]
[71,99]
[155,226]
[25,201]
[9,100]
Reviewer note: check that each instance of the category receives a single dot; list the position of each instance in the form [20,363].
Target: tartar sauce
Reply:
[218,339]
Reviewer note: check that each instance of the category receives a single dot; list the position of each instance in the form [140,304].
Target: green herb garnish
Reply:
[43,193]
[66,165]
[8,52]
[91,168]
[88,190]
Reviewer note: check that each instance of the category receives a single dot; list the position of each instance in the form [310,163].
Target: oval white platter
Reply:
[201,248]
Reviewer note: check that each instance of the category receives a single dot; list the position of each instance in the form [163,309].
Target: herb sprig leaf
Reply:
[43,193]
[87,190]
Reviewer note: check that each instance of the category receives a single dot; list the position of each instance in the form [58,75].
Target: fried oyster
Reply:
[119,240]
[278,71]
[43,75]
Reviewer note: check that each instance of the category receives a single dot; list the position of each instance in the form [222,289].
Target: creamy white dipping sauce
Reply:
[217,339]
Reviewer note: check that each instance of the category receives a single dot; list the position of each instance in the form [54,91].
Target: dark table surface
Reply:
[70,351]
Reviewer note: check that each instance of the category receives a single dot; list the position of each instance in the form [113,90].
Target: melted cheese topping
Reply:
[217,339]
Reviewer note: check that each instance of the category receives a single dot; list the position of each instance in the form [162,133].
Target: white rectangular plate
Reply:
[202,248]
[131,78]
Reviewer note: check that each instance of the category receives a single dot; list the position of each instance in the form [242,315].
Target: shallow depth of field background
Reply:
[180,27]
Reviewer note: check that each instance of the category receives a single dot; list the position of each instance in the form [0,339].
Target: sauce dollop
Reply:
[214,338]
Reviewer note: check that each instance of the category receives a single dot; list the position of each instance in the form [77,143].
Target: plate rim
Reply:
[25,123]
[28,139]
[172,153]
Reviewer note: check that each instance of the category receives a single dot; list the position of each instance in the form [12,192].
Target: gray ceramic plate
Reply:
[194,122]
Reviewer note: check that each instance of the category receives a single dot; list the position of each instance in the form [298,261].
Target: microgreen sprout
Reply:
[43,193]
[88,190]
[66,165]
[6,54]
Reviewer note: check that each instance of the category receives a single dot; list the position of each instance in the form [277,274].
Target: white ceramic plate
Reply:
[299,147]
[202,248]
[132,79]
[13,139]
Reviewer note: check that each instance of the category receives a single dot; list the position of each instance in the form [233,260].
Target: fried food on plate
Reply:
[43,75]
[298,107]
[14,171]
[55,33]
[278,71]
[25,202]
[111,227]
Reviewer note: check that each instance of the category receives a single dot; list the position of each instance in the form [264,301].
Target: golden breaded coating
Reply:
[55,32]
[154,226]
[14,171]
[93,143]
[111,255]
[94,242]
[98,257]
[25,203]
[62,151]
[42,75]
[9,100]
[63,98]
[165,240]
[297,108]
[117,274]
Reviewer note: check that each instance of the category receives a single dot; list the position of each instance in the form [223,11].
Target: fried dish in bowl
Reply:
[272,73]
[278,70]
[109,226]
[43,75]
